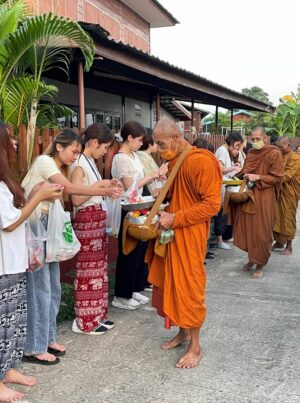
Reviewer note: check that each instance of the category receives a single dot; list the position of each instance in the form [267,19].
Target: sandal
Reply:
[57,353]
[34,360]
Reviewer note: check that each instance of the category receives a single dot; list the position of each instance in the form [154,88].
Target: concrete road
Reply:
[251,342]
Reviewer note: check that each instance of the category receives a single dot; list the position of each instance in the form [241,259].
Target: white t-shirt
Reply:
[13,246]
[91,176]
[124,166]
[42,169]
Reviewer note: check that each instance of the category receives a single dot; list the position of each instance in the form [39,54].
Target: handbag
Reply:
[241,196]
[148,231]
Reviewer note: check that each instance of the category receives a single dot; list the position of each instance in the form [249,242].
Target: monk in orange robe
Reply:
[253,225]
[286,208]
[180,277]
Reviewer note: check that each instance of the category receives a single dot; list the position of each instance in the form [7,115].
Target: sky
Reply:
[236,43]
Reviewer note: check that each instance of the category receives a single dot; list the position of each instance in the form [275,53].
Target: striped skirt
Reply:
[13,321]
[91,280]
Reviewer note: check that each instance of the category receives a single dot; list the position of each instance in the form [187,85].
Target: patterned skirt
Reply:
[91,280]
[13,321]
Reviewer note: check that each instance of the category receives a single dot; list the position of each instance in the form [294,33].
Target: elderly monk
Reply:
[253,230]
[286,208]
[179,279]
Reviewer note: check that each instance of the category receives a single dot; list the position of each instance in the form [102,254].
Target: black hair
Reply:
[98,131]
[200,142]
[147,140]
[134,129]
[65,138]
[234,138]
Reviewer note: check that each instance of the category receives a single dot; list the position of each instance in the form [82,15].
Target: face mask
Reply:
[169,154]
[258,145]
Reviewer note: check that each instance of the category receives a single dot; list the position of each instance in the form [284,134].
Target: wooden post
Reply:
[81,96]
[217,120]
[231,121]
[157,106]
[123,112]
[193,114]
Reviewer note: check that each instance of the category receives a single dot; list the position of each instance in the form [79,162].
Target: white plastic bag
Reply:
[113,216]
[62,243]
[36,236]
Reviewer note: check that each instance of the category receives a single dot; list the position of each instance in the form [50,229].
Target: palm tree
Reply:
[39,44]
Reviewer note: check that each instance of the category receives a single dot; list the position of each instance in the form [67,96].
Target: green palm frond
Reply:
[20,92]
[50,112]
[50,33]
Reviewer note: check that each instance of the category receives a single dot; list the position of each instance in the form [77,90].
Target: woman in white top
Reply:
[43,286]
[149,165]
[91,281]
[13,264]
[226,154]
[131,271]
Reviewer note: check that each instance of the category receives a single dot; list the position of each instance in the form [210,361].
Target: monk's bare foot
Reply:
[277,245]
[191,358]
[248,266]
[258,272]
[286,252]
[181,337]
[9,395]
[13,376]
[57,346]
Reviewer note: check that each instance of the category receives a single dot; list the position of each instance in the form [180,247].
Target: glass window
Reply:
[108,120]
[89,119]
[99,117]
[117,123]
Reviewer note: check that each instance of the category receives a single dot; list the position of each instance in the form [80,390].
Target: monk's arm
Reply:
[275,174]
[206,180]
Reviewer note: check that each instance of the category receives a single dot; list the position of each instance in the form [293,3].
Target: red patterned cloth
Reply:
[91,281]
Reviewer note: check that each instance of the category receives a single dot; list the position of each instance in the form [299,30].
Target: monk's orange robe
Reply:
[195,197]
[253,227]
[286,208]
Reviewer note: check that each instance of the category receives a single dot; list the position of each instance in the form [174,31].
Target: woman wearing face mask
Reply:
[131,271]
[43,286]
[91,282]
[13,264]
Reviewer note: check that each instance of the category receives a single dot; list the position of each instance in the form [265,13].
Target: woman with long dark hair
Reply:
[131,271]
[44,288]
[13,264]
[91,280]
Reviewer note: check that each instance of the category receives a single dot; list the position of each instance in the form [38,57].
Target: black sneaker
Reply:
[210,255]
[108,324]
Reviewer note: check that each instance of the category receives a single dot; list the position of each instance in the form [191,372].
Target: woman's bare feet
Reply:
[13,376]
[286,252]
[182,337]
[45,357]
[258,272]
[248,266]
[57,346]
[9,395]
[191,358]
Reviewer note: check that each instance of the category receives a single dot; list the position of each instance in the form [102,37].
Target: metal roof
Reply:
[183,82]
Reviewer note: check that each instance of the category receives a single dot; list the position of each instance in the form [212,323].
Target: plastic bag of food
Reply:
[113,216]
[132,194]
[62,243]
[36,236]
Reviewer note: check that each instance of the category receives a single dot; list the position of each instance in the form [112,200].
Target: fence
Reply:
[44,137]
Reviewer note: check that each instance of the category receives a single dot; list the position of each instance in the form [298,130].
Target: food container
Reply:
[146,203]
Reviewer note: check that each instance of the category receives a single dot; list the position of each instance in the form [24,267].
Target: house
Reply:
[242,115]
[126,82]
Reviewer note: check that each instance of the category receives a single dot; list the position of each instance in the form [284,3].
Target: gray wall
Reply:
[105,102]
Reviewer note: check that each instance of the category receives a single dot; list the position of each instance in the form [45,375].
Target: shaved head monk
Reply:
[286,208]
[179,279]
[253,225]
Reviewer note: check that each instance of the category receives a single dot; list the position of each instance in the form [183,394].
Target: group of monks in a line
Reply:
[179,279]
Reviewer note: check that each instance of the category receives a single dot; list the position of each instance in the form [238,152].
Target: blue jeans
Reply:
[43,301]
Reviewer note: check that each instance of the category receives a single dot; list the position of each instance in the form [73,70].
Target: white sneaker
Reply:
[125,303]
[100,330]
[140,298]
[224,246]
